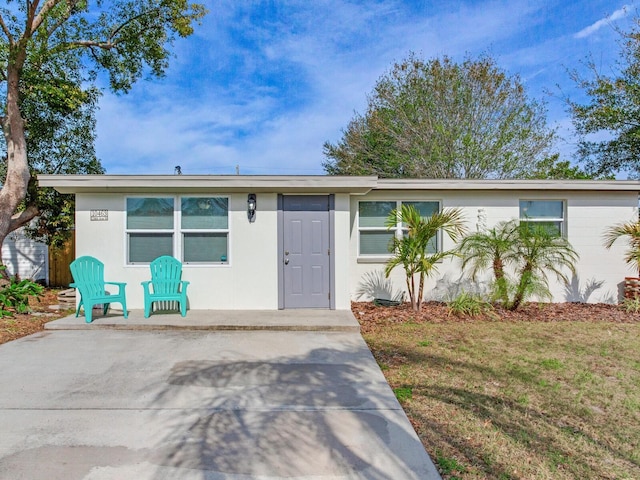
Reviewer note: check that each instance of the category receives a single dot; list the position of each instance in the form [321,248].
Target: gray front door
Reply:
[306,250]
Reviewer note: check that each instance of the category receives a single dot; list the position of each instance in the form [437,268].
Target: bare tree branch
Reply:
[39,18]
[6,31]
[23,217]
[63,19]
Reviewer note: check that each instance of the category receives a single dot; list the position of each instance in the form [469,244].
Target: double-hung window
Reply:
[150,228]
[374,238]
[192,229]
[549,214]
[204,225]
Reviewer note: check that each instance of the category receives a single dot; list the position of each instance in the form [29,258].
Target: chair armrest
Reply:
[120,285]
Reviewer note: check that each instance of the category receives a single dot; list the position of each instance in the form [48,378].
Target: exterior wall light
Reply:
[251,207]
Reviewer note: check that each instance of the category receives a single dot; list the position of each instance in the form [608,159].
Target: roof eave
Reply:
[207,183]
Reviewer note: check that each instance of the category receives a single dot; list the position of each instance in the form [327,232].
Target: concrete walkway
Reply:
[100,402]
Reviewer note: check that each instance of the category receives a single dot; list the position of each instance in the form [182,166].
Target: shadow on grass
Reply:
[528,427]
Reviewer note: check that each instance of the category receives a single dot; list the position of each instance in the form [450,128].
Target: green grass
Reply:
[501,400]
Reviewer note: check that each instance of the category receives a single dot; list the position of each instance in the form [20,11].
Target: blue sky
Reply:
[263,84]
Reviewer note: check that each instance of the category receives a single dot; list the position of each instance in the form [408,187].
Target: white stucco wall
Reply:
[342,227]
[588,215]
[249,281]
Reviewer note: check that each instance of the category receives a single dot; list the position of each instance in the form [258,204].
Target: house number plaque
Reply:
[99,215]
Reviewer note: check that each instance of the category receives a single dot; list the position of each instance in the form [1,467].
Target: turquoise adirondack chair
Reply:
[88,276]
[166,284]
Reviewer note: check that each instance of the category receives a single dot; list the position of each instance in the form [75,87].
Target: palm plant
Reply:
[531,251]
[630,230]
[411,250]
[540,251]
[493,249]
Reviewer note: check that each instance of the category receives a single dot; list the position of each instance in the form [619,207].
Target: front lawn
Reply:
[518,398]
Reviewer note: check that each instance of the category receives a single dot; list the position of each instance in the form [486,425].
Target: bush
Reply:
[631,305]
[14,296]
[468,304]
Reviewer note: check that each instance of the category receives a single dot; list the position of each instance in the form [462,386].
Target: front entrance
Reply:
[305,251]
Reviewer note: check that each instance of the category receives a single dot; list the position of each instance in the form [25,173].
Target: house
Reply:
[25,257]
[281,242]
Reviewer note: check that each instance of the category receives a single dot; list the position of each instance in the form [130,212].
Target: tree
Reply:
[50,56]
[493,249]
[441,119]
[552,168]
[60,141]
[532,252]
[612,112]
[411,251]
[541,252]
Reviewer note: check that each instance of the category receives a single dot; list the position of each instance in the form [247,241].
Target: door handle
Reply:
[286,261]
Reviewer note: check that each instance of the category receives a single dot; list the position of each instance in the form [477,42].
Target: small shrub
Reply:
[631,305]
[468,304]
[14,296]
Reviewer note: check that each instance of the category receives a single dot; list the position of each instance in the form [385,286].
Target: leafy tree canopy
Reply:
[612,112]
[552,168]
[442,119]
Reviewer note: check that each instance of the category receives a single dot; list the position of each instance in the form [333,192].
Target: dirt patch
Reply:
[21,325]
[371,316]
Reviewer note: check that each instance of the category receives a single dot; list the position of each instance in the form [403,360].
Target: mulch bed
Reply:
[21,325]
[371,316]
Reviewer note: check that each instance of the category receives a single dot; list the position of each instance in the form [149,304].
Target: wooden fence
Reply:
[59,261]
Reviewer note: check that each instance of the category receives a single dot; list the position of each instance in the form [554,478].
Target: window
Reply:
[374,237]
[205,229]
[197,231]
[546,213]
[149,228]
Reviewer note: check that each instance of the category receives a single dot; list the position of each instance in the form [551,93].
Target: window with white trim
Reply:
[204,224]
[374,238]
[547,213]
[192,229]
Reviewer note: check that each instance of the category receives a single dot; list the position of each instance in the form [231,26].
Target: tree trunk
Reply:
[14,189]
[523,284]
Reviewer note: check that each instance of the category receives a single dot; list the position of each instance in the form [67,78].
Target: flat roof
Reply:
[308,184]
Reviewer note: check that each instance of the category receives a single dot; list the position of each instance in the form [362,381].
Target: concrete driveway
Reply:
[180,404]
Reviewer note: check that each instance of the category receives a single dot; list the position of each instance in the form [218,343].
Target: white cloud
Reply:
[267,96]
[594,27]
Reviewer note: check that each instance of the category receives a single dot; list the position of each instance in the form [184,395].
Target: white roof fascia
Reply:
[540,185]
[315,184]
[206,183]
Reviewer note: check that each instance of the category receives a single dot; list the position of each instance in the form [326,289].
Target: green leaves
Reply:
[14,296]
[613,109]
[531,252]
[441,119]
[411,250]
[631,232]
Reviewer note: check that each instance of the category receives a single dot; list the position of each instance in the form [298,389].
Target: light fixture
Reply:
[251,207]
